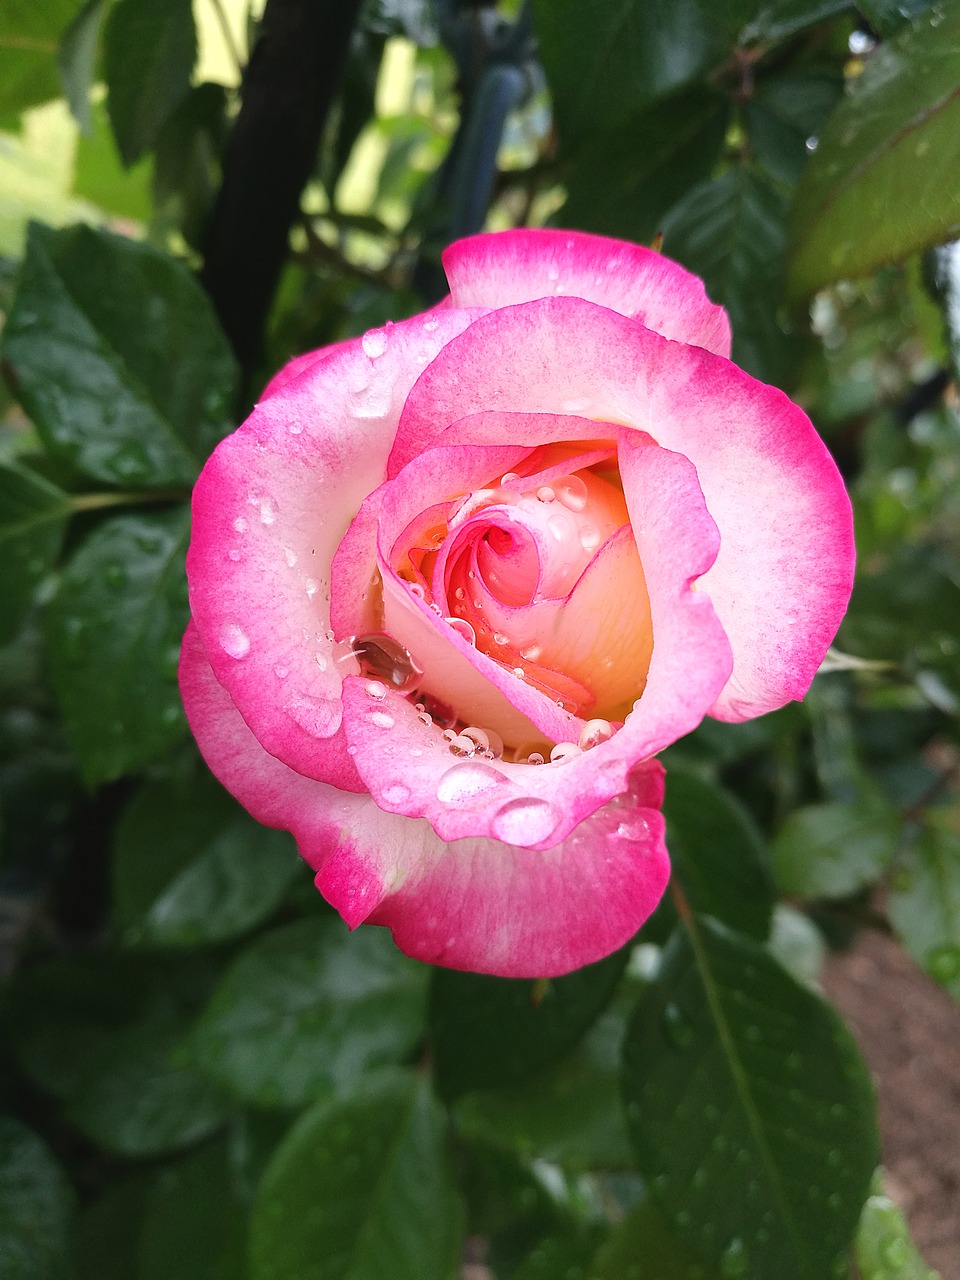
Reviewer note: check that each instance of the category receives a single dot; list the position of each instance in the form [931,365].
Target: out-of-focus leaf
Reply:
[307,1009]
[784,113]
[622,182]
[29,32]
[884,1248]
[36,1207]
[33,517]
[186,174]
[133,383]
[108,1232]
[796,942]
[144,1098]
[488,1032]
[149,49]
[100,177]
[946,282]
[643,1246]
[194,1227]
[114,634]
[562,1256]
[831,850]
[781,18]
[888,16]
[750,1110]
[77,60]
[360,1190]
[191,867]
[732,232]
[717,854]
[882,183]
[925,904]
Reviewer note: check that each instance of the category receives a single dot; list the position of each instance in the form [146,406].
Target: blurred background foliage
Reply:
[202,1074]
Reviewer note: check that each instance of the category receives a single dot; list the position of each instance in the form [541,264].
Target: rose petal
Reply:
[508,267]
[477,904]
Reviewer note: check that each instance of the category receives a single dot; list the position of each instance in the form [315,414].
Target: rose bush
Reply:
[455,583]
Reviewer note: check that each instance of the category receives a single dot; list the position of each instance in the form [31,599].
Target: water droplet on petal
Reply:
[374,343]
[234,641]
[535,758]
[546,494]
[563,752]
[240,525]
[268,511]
[290,556]
[571,491]
[396,793]
[594,732]
[465,782]
[381,719]
[531,653]
[463,628]
[386,659]
[374,689]
[526,821]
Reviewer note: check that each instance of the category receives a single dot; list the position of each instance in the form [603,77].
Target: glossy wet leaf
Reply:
[36,1207]
[132,384]
[114,633]
[882,183]
[309,1008]
[924,904]
[717,854]
[191,867]
[150,47]
[751,1113]
[832,850]
[359,1190]
[785,113]
[488,1032]
[33,518]
[642,1246]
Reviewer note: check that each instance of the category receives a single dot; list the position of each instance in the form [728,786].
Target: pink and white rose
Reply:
[455,583]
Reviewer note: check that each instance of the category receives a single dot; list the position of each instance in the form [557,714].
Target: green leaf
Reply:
[28,46]
[186,175]
[194,1227]
[149,50]
[884,1248]
[888,16]
[114,635]
[783,113]
[108,1231]
[100,177]
[307,1009]
[717,854]
[832,850]
[606,63]
[488,1032]
[36,1207]
[882,182]
[621,182]
[642,1246]
[190,867]
[360,1190]
[750,1110]
[144,1098]
[33,518]
[133,383]
[732,232]
[924,904]
[77,60]
[782,18]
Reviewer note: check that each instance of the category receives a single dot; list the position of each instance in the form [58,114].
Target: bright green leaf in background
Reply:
[36,1207]
[361,1189]
[882,183]
[749,1108]
[925,904]
[114,632]
[29,32]
[884,1248]
[831,850]
[127,401]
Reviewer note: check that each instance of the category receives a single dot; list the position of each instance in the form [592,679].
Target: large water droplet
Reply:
[234,641]
[463,628]
[564,752]
[571,491]
[381,719]
[397,793]
[384,658]
[526,821]
[465,782]
[676,1027]
[374,343]
[594,732]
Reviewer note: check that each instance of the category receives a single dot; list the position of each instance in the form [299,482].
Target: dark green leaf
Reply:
[882,183]
[750,1109]
[144,1098]
[925,904]
[642,1246]
[29,32]
[360,1190]
[781,18]
[488,1032]
[33,517]
[77,60]
[622,182]
[732,233]
[114,635]
[133,383]
[888,16]
[564,1256]
[108,1232]
[784,113]
[191,867]
[36,1207]
[149,50]
[717,854]
[831,850]
[309,1008]
[195,1225]
[884,1248]
[186,175]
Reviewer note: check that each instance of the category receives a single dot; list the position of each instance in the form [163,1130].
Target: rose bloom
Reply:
[455,583]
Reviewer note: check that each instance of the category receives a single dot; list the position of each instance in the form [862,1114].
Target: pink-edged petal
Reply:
[476,904]
[782,577]
[269,510]
[507,267]
[300,364]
